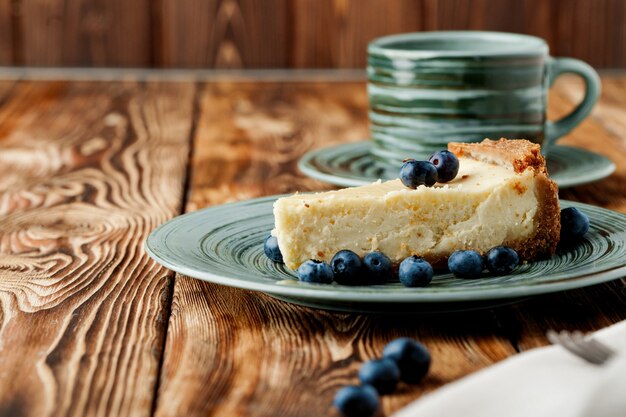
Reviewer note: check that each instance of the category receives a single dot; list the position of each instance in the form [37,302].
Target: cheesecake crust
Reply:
[521,155]
[548,221]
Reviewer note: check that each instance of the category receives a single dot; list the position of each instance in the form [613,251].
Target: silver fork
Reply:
[582,345]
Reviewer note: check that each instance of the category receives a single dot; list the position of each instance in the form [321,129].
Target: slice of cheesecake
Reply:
[501,196]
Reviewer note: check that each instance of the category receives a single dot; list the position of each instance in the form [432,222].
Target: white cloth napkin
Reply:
[543,382]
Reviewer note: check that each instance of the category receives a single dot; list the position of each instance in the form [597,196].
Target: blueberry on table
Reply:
[347,267]
[317,272]
[574,224]
[377,267]
[357,401]
[501,260]
[447,165]
[271,249]
[382,374]
[412,358]
[415,173]
[415,272]
[466,264]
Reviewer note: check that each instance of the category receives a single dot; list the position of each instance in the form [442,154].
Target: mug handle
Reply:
[558,66]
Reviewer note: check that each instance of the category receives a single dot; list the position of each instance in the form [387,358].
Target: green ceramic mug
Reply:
[430,88]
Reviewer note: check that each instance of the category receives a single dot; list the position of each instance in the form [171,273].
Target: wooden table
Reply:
[89,325]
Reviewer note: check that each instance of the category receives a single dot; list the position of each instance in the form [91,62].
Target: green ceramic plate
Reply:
[224,244]
[352,165]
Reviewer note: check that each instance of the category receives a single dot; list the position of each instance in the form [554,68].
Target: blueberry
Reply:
[501,260]
[346,266]
[271,249]
[466,264]
[315,271]
[415,272]
[357,401]
[377,267]
[447,165]
[574,224]
[415,173]
[412,358]
[382,374]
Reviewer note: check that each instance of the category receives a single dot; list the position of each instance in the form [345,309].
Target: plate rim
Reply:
[410,296]
[305,166]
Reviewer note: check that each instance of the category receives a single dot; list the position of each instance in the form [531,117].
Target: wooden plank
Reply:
[87,171]
[222,34]
[284,33]
[93,33]
[335,34]
[184,33]
[237,353]
[5,88]
[533,17]
[593,31]
[6,33]
[587,310]
[263,34]
[313,36]
[255,119]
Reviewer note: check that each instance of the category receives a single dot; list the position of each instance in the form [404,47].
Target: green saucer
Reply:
[224,244]
[352,164]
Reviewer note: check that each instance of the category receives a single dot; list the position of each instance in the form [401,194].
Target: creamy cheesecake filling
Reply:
[484,206]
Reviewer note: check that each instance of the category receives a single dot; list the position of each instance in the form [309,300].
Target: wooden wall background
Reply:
[284,33]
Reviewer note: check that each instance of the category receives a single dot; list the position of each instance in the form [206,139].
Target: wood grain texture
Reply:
[85,33]
[335,33]
[222,33]
[87,171]
[253,132]
[5,90]
[234,353]
[6,33]
[584,26]
[534,17]
[284,33]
